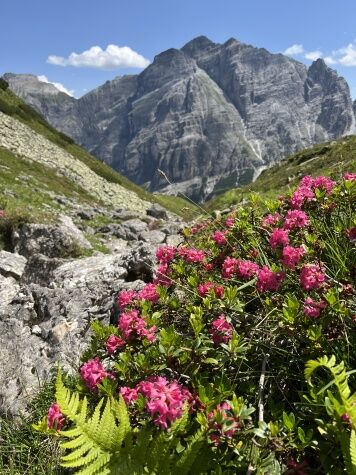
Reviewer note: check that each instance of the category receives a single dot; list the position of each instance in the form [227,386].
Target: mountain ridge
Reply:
[204,114]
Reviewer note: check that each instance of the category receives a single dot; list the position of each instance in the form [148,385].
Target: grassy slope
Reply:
[330,159]
[12,105]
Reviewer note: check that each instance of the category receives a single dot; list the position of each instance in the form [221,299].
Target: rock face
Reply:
[210,116]
[48,302]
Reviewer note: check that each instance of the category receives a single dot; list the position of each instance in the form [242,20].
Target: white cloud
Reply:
[330,60]
[112,57]
[313,55]
[57,85]
[346,56]
[294,50]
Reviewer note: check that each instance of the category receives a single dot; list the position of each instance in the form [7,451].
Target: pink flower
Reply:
[114,342]
[301,194]
[149,293]
[129,394]
[165,254]
[349,176]
[222,423]
[296,219]
[203,289]
[134,327]
[351,234]
[2,213]
[292,255]
[191,255]
[324,183]
[220,237]
[229,267]
[279,237]
[55,419]
[271,220]
[269,280]
[311,277]
[93,373]
[162,275]
[164,400]
[313,308]
[229,222]
[246,269]
[126,297]
[221,330]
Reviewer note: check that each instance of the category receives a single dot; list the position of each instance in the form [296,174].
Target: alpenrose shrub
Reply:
[220,341]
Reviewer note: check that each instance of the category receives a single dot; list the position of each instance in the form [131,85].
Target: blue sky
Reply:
[32,31]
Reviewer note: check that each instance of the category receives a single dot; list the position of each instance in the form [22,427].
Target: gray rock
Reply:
[12,265]
[86,214]
[135,225]
[174,240]
[51,240]
[154,236]
[158,212]
[8,289]
[90,272]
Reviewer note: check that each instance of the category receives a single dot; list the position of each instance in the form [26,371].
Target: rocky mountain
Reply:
[210,116]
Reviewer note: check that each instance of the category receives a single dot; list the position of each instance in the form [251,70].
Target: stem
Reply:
[261,385]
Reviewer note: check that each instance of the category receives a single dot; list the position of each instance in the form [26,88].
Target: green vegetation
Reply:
[12,105]
[22,452]
[237,359]
[329,159]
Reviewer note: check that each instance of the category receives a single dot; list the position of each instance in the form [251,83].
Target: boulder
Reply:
[61,240]
[12,265]
[157,211]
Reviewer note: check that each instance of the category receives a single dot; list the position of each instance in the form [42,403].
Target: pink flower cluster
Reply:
[126,297]
[279,237]
[92,373]
[269,280]
[197,228]
[229,223]
[55,419]
[305,190]
[221,330]
[222,423]
[313,308]
[165,254]
[162,275]
[292,255]
[164,400]
[229,267]
[113,343]
[134,327]
[2,213]
[204,289]
[149,293]
[311,277]
[191,255]
[295,218]
[350,176]
[220,237]
[246,269]
[271,220]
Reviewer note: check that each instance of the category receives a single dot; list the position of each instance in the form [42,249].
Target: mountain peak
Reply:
[197,44]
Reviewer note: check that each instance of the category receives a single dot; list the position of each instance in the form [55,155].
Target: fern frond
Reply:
[187,459]
[353,450]
[96,439]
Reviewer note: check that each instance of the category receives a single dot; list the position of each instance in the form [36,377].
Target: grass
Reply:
[12,105]
[330,159]
[23,451]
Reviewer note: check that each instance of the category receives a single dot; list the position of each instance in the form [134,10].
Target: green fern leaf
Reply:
[353,450]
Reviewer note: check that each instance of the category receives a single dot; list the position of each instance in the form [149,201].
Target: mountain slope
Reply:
[329,159]
[24,134]
[210,116]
